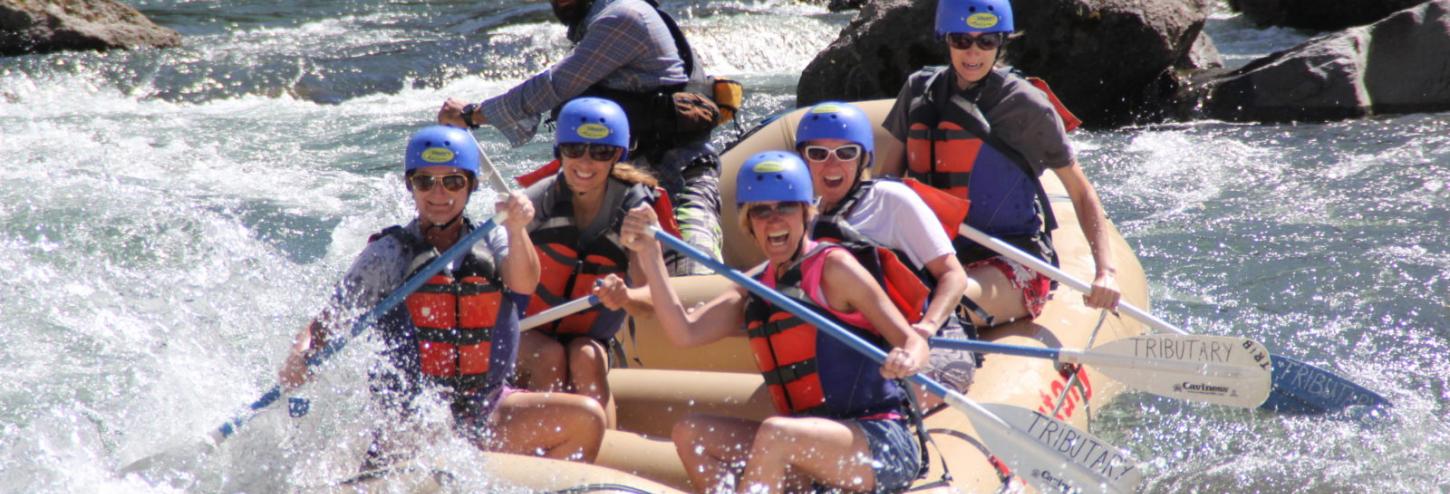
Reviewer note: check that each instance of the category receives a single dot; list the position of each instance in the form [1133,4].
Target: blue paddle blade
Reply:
[1305,389]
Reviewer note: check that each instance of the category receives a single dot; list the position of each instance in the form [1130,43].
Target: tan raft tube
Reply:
[661,383]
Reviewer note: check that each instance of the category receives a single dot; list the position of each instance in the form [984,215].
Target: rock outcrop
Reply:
[1319,15]
[1111,61]
[1400,64]
[43,26]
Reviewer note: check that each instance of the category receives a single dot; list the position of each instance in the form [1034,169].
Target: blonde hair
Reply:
[743,217]
[629,174]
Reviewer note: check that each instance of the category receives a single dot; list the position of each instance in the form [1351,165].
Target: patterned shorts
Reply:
[1036,288]
[691,174]
[954,369]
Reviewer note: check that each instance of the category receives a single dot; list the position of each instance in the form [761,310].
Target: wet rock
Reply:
[1319,15]
[1396,65]
[43,26]
[1106,59]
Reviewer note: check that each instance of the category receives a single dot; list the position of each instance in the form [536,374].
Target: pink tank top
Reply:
[811,271]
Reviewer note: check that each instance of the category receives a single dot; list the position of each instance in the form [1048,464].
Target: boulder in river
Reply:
[44,26]
[1400,64]
[1319,15]
[1106,59]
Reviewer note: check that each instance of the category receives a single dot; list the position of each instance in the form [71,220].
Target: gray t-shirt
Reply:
[1018,113]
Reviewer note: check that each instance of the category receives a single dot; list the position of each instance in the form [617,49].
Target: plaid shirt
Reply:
[624,44]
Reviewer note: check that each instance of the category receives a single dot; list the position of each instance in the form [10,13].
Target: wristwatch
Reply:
[468,110]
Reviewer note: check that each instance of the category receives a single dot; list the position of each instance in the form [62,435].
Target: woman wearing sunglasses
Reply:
[985,134]
[456,337]
[581,204]
[838,144]
[840,417]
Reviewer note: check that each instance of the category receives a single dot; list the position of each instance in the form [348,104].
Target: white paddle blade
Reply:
[1223,370]
[1053,456]
[176,459]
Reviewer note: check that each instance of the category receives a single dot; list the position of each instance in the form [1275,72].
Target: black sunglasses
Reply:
[765,211]
[987,42]
[452,182]
[597,152]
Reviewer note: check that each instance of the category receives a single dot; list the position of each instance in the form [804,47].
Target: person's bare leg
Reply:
[541,363]
[990,289]
[828,452]
[553,425]
[709,444]
[588,373]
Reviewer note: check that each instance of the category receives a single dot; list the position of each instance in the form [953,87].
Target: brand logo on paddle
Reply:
[1204,389]
[592,131]
[982,20]
[437,155]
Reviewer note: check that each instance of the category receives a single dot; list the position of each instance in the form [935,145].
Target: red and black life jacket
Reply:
[570,262]
[950,146]
[456,315]
[807,372]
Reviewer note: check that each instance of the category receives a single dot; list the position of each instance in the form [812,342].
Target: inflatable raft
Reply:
[655,383]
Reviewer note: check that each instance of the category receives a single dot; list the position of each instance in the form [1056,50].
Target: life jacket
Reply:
[457,317]
[908,287]
[807,372]
[950,147]
[570,263]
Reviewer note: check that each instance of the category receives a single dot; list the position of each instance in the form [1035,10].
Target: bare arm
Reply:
[521,266]
[294,371]
[1090,215]
[951,282]
[718,318]
[614,293]
[847,287]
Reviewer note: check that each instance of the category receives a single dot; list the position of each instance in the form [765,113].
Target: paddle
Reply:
[558,312]
[230,427]
[1043,450]
[1217,369]
[1297,387]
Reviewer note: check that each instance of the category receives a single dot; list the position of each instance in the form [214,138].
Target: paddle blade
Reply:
[1052,455]
[1306,389]
[182,458]
[1223,370]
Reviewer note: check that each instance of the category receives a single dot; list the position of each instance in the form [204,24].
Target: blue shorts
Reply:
[895,453]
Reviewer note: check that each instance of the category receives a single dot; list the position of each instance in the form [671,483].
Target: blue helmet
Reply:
[591,120]
[442,145]
[973,16]
[774,176]
[837,120]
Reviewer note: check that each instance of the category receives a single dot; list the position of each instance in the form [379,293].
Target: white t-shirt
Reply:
[892,215]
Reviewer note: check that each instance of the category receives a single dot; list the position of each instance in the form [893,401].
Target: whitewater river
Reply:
[169,219]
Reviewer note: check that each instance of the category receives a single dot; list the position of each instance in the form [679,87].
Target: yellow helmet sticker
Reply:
[437,155]
[592,131]
[982,20]
[826,108]
[771,166]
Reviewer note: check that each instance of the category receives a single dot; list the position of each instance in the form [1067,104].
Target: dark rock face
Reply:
[1320,15]
[1109,60]
[1398,65]
[43,26]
